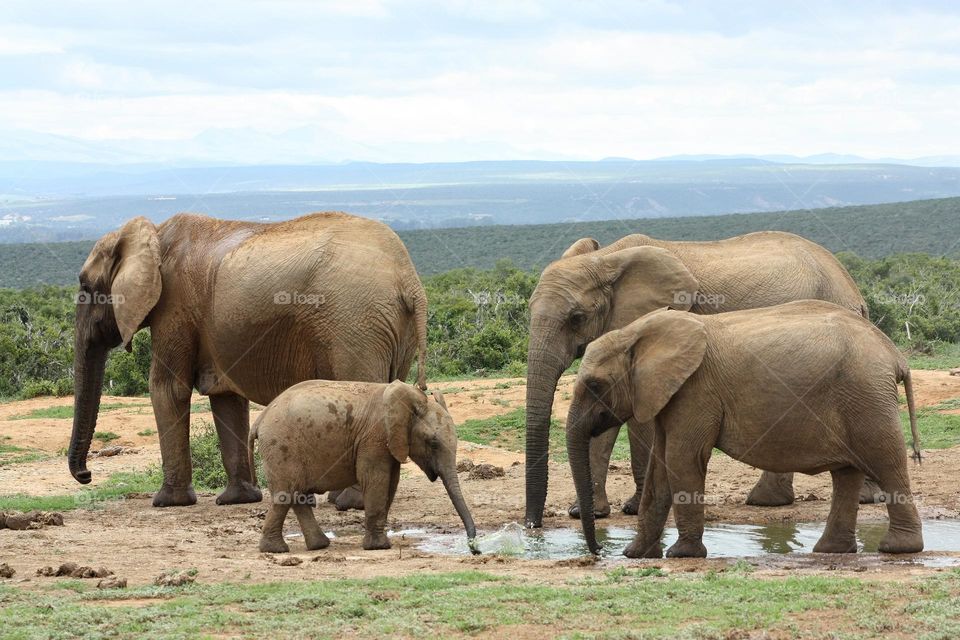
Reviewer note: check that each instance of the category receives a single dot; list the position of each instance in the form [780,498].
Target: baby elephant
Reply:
[805,386]
[319,436]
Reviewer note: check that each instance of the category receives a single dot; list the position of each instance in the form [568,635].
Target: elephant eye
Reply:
[577,318]
[594,385]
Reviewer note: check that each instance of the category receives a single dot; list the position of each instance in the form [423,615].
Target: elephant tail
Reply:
[250,440]
[911,410]
[417,303]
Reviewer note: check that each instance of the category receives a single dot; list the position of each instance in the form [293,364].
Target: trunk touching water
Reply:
[452,484]
[88,366]
[544,368]
[578,450]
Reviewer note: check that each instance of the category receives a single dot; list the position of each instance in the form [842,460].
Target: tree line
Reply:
[477,324]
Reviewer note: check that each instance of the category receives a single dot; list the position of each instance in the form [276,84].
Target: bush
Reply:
[128,374]
[38,388]
[208,471]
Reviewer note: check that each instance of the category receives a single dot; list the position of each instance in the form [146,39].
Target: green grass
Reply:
[946,355]
[508,431]
[621,602]
[64,412]
[937,430]
[105,436]
[117,487]
[12,454]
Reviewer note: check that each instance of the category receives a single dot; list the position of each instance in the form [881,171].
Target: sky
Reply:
[328,81]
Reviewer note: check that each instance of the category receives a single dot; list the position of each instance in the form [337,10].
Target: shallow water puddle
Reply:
[721,540]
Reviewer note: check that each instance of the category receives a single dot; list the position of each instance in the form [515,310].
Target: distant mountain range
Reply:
[48,201]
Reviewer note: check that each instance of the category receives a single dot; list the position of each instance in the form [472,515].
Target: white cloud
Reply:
[639,80]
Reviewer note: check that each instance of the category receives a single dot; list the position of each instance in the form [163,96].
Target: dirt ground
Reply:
[139,542]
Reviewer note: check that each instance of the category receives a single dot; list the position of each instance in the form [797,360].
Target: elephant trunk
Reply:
[452,484]
[420,317]
[578,451]
[88,367]
[544,368]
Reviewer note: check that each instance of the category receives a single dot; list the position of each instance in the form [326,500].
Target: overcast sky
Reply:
[450,80]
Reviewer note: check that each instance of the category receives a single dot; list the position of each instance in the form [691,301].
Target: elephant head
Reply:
[424,431]
[580,297]
[629,373]
[119,285]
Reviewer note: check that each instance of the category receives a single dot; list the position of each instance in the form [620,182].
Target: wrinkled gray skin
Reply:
[319,436]
[240,311]
[591,290]
[802,387]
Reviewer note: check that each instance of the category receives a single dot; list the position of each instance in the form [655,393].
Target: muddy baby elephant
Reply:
[806,386]
[322,435]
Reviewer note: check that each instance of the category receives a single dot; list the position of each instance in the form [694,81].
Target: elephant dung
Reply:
[174,579]
[485,472]
[6,571]
[112,583]
[464,464]
[31,520]
[73,570]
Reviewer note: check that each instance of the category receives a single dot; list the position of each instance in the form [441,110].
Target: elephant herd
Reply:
[759,345]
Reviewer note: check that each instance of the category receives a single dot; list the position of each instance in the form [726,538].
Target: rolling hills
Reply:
[927,226]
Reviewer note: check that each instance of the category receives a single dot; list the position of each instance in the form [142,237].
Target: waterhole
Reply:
[721,540]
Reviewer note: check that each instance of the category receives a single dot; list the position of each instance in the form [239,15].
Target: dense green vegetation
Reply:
[477,324]
[874,231]
[618,603]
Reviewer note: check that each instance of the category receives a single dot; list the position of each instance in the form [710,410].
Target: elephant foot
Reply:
[772,490]
[601,509]
[376,541]
[836,545]
[871,493]
[349,498]
[174,497]
[898,541]
[273,545]
[632,506]
[240,493]
[687,549]
[315,542]
[640,548]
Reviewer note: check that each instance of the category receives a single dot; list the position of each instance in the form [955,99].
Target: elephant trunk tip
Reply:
[81,475]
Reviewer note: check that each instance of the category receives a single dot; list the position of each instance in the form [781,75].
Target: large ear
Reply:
[401,404]
[644,279]
[581,246]
[439,398]
[136,282]
[667,347]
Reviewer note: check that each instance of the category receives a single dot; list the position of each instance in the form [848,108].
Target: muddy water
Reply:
[721,540]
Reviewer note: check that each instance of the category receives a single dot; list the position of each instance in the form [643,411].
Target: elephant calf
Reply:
[322,435]
[806,386]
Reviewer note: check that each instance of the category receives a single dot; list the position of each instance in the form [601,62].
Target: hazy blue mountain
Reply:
[44,201]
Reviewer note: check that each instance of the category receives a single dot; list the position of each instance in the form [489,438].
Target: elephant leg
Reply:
[313,536]
[772,490]
[905,533]
[601,448]
[378,492]
[687,461]
[349,498]
[840,534]
[271,540]
[654,505]
[171,407]
[641,443]
[231,415]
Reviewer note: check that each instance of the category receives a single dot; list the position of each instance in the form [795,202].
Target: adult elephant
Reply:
[240,311]
[591,290]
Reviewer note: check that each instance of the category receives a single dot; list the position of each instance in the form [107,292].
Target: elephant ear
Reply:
[402,403]
[439,398]
[644,279]
[135,287]
[666,348]
[581,246]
